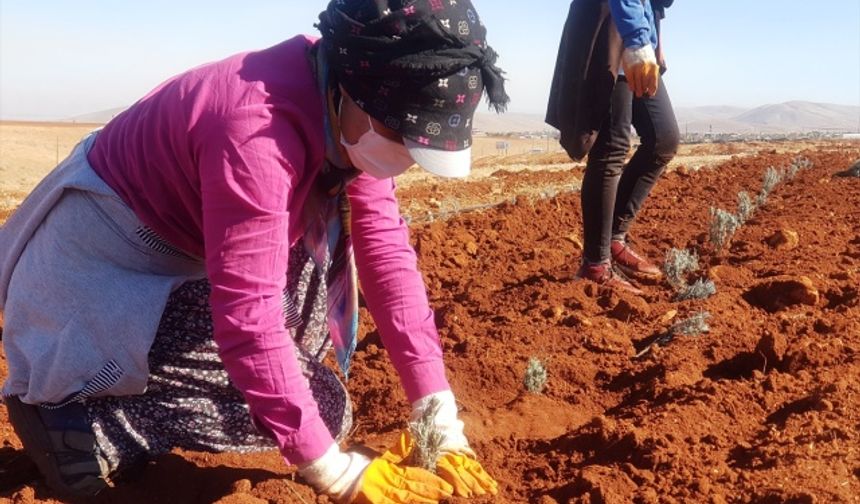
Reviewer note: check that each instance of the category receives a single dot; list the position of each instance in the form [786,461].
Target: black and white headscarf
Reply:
[419,66]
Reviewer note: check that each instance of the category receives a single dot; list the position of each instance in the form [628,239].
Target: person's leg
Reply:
[602,172]
[190,402]
[82,307]
[655,122]
[599,187]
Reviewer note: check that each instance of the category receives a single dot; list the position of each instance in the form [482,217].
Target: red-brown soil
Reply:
[763,409]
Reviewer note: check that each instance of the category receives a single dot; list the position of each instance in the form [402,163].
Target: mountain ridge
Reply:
[788,117]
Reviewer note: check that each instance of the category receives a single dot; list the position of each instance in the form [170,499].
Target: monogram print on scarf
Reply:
[434,129]
[463,28]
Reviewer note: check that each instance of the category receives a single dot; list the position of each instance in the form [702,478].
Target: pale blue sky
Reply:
[63,58]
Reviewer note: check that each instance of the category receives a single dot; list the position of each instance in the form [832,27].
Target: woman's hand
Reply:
[457,463]
[384,482]
[461,470]
[641,70]
[350,477]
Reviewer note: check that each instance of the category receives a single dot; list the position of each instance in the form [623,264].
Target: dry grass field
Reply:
[29,150]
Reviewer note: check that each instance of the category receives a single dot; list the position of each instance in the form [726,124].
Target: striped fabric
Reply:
[157,243]
[107,377]
[292,317]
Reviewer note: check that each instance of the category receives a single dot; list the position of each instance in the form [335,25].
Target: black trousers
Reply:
[612,193]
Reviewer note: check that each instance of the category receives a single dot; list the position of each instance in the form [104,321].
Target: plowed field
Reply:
[764,408]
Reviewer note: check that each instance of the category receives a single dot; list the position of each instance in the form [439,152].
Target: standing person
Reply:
[239,172]
[607,77]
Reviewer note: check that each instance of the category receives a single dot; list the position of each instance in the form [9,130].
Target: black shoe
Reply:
[16,469]
[62,444]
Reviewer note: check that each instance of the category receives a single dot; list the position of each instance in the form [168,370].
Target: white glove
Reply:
[336,473]
[446,421]
[641,69]
[458,464]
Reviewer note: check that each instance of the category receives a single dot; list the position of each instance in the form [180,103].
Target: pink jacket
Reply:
[219,161]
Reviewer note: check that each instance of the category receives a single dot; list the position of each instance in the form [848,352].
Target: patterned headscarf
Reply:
[418,66]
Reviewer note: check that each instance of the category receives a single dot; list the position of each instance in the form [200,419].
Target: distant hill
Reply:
[803,115]
[794,116]
[100,117]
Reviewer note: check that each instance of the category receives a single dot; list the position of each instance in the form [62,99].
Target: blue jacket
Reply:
[635,22]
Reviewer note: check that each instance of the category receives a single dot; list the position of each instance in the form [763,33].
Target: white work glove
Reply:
[336,473]
[446,421]
[353,478]
[458,464]
[641,69]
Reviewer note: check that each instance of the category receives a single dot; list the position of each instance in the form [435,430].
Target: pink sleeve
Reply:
[393,287]
[245,184]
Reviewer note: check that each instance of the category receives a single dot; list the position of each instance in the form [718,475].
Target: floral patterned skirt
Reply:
[190,402]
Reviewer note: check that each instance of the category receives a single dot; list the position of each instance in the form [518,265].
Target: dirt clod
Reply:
[775,294]
[629,308]
[784,239]
[772,346]
[25,495]
[602,485]
[241,498]
[242,486]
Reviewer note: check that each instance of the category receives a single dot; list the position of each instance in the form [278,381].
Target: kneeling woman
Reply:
[230,181]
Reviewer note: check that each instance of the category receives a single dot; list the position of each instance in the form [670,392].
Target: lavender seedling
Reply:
[677,264]
[799,163]
[427,437]
[771,179]
[792,170]
[701,289]
[746,207]
[693,326]
[723,227]
[536,376]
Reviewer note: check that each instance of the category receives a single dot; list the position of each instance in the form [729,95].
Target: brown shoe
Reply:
[631,263]
[605,276]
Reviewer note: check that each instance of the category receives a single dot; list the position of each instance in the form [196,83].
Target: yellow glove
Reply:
[384,482]
[641,70]
[461,470]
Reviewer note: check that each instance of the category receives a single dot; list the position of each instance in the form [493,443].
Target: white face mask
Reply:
[378,156]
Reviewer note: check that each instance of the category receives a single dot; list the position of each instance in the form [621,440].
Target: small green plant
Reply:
[678,264]
[701,289]
[536,376]
[427,437]
[793,169]
[723,227]
[693,326]
[771,179]
[799,163]
[746,207]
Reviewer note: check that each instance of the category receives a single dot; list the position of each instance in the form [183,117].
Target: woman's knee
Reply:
[664,145]
[608,160]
